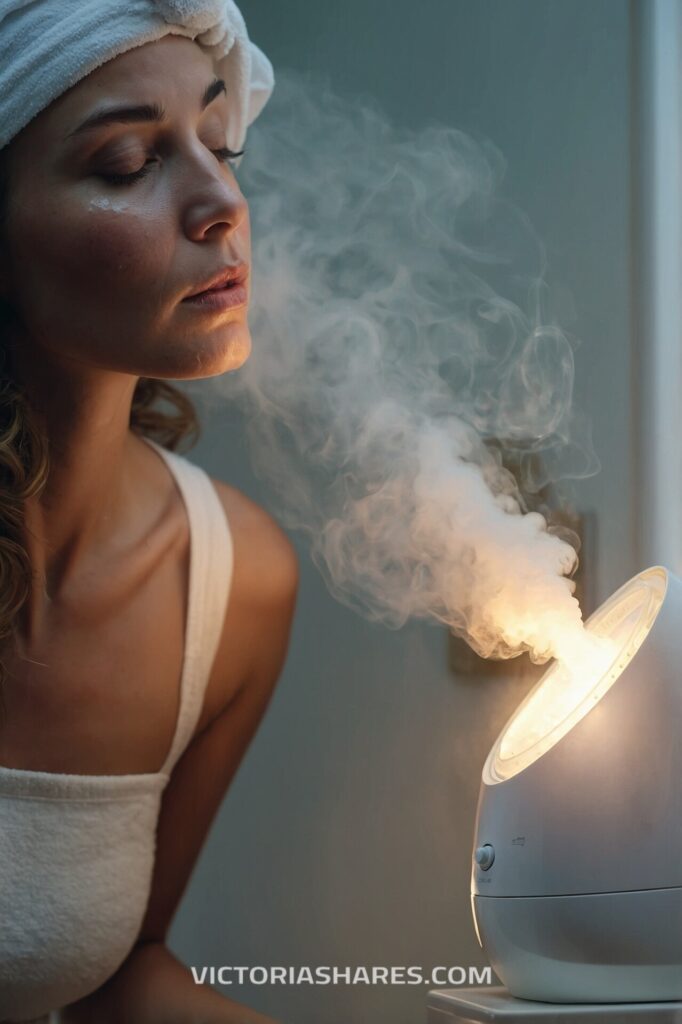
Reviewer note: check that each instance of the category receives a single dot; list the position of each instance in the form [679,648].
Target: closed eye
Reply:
[223,153]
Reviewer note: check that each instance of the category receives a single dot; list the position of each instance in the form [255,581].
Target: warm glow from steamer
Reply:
[593,658]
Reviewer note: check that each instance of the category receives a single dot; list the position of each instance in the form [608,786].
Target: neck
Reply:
[89,495]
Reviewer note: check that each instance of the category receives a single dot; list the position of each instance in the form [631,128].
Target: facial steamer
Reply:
[577,873]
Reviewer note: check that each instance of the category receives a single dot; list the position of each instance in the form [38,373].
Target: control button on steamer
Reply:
[484,856]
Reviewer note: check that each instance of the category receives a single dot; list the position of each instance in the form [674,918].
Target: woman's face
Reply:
[97,270]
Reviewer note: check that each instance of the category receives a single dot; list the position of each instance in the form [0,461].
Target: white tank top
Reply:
[77,851]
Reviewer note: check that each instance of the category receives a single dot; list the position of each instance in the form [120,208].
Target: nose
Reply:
[213,202]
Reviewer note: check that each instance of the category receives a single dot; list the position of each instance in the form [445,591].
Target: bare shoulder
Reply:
[260,610]
[265,558]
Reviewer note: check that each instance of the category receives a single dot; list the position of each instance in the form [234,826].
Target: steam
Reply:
[400,356]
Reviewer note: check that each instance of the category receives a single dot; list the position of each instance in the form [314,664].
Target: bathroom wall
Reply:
[345,838]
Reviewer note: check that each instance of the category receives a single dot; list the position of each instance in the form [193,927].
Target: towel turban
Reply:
[46,46]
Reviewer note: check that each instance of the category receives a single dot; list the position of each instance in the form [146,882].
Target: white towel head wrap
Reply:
[46,46]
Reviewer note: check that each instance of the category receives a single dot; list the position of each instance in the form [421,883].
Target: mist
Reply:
[404,355]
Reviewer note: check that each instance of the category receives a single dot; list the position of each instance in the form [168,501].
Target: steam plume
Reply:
[397,329]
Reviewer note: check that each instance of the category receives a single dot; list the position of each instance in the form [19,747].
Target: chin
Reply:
[235,355]
[235,348]
[225,351]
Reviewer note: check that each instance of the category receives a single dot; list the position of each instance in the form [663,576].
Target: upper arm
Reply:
[260,609]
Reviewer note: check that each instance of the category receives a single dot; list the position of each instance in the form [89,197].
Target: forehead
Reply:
[172,71]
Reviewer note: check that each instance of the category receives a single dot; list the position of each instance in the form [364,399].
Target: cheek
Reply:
[100,259]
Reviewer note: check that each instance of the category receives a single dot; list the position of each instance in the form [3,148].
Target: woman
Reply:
[131,685]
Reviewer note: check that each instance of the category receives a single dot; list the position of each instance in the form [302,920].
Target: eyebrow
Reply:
[147,112]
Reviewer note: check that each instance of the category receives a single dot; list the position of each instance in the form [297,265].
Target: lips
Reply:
[229,276]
